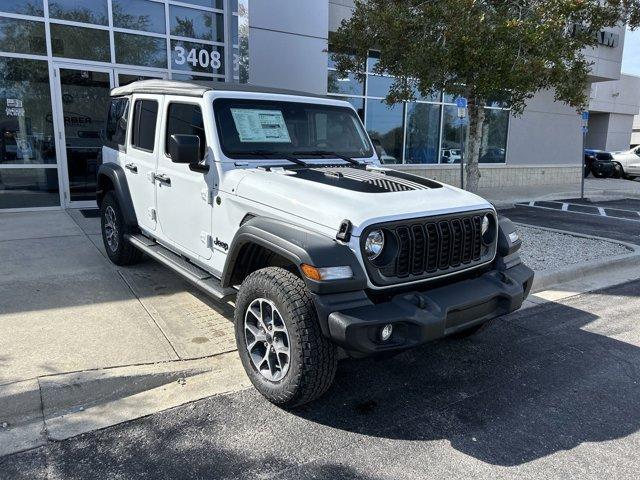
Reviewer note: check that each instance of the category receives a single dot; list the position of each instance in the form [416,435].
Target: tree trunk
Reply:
[474,140]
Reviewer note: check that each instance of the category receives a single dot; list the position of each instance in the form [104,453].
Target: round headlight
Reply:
[485,224]
[374,244]
[488,229]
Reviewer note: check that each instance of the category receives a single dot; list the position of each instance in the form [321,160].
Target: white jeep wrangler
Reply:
[278,199]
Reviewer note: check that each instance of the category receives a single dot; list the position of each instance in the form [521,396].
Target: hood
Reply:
[329,195]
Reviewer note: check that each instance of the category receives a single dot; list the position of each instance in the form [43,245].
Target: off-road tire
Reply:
[313,359]
[469,332]
[124,253]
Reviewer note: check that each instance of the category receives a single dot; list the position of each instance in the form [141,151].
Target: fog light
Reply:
[385,333]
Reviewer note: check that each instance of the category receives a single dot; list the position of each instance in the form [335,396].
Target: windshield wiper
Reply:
[329,154]
[272,155]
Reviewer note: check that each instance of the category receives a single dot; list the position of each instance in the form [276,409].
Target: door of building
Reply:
[82,97]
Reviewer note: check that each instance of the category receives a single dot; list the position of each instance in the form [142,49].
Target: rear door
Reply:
[141,158]
[183,196]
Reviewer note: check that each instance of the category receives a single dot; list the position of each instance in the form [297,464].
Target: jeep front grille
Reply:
[431,247]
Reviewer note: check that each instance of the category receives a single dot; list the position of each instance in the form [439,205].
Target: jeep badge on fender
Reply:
[325,249]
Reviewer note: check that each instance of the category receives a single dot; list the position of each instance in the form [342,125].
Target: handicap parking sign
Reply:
[461,102]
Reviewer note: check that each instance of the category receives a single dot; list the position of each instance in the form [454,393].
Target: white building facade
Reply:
[59,59]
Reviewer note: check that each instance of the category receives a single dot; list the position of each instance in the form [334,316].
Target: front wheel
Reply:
[618,171]
[282,348]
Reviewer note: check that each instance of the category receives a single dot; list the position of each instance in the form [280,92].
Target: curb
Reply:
[58,407]
[594,196]
[549,278]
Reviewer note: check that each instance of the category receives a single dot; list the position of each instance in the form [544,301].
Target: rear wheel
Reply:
[286,356]
[119,250]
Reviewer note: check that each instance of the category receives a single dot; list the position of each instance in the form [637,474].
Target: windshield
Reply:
[260,128]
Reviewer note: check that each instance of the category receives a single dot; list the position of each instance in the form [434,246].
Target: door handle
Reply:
[162,178]
[132,166]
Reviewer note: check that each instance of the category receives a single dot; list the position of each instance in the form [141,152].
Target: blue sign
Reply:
[460,122]
[461,102]
[585,115]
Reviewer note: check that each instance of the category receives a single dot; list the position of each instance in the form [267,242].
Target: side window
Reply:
[185,119]
[145,116]
[116,129]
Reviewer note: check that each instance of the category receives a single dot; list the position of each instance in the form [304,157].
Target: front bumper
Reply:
[421,316]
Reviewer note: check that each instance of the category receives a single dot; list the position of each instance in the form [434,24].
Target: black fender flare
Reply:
[118,179]
[298,245]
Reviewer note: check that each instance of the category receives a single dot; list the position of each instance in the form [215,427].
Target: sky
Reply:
[631,54]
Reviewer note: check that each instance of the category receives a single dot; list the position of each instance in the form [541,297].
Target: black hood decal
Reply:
[364,180]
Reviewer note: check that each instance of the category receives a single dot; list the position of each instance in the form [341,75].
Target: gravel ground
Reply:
[544,250]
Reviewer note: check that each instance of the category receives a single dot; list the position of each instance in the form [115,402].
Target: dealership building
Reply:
[60,58]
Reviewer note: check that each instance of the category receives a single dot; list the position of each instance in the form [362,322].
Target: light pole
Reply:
[585,129]
[461,103]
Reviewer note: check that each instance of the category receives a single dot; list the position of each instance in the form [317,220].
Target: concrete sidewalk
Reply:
[77,331]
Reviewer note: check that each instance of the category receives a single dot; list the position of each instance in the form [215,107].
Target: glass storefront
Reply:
[421,132]
[54,90]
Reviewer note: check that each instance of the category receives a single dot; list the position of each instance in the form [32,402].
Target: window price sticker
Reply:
[260,126]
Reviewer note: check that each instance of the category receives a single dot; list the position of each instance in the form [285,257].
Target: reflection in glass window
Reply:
[206,3]
[197,57]
[86,11]
[450,148]
[126,79]
[25,7]
[26,120]
[193,23]
[378,86]
[358,104]
[494,136]
[139,15]
[198,78]
[29,187]
[80,42]
[22,36]
[349,85]
[185,119]
[140,50]
[423,132]
[385,126]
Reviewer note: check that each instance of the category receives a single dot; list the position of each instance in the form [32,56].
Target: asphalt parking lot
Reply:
[547,392]
[615,219]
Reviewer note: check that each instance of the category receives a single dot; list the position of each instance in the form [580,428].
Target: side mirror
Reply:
[184,148]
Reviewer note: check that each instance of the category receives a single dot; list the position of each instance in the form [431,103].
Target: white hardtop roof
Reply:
[198,89]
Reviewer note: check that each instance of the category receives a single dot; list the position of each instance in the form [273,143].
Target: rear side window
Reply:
[185,119]
[145,116]
[116,130]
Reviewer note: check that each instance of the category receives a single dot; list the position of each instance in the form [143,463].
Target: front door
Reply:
[83,96]
[183,198]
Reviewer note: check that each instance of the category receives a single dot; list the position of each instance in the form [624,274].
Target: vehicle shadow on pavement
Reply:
[533,384]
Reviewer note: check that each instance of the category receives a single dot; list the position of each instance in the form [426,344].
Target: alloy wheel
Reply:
[111,228]
[267,339]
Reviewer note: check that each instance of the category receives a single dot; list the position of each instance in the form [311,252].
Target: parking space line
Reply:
[602,212]
[579,213]
[565,207]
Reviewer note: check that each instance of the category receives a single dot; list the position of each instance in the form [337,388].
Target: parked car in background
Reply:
[633,170]
[493,155]
[599,163]
[626,158]
[384,157]
[451,155]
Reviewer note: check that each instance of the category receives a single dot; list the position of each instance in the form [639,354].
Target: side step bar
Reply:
[196,275]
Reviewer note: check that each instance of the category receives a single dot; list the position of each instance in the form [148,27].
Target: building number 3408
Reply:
[203,58]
